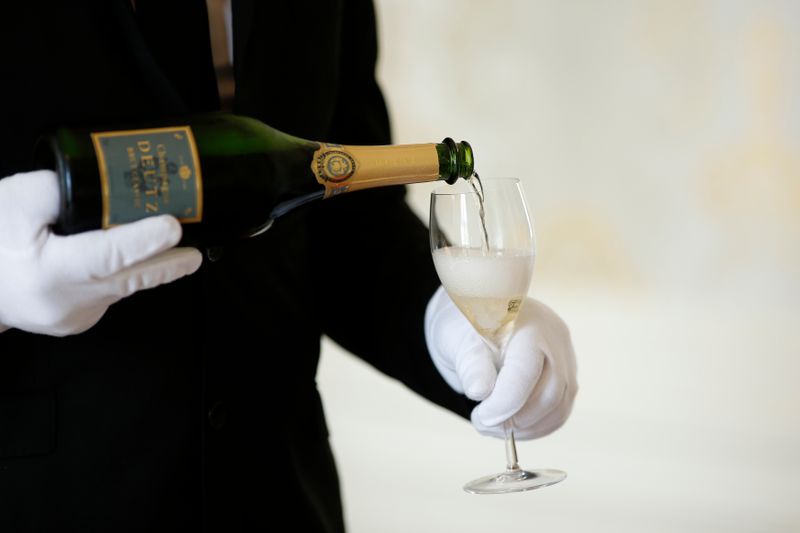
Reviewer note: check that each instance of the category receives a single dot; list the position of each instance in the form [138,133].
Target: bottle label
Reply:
[149,172]
[350,168]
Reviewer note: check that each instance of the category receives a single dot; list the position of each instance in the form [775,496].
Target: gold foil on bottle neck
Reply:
[351,168]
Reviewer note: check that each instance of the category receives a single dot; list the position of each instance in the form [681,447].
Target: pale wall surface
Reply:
[659,146]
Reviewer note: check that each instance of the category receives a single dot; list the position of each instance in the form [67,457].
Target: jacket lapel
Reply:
[149,75]
[243,14]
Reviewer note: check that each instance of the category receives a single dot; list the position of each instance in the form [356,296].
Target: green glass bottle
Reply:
[223,176]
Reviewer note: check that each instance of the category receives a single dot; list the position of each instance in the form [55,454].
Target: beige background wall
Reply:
[659,145]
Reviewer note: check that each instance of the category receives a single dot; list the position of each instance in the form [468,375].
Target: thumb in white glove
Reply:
[61,285]
[536,384]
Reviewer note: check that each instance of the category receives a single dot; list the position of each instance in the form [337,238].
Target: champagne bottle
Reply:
[223,176]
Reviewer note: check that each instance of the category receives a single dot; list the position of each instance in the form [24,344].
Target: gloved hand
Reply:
[536,384]
[61,285]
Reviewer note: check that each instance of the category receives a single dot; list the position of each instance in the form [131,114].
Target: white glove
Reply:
[61,285]
[536,385]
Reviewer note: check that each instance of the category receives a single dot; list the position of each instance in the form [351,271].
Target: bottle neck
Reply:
[455,160]
[351,168]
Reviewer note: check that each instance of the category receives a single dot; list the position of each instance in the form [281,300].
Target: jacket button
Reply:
[218,415]
[214,253]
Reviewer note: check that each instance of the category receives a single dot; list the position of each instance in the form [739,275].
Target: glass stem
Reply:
[511,447]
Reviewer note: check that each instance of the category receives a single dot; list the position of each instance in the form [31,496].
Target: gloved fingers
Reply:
[545,397]
[467,365]
[95,255]
[490,431]
[88,301]
[75,323]
[48,317]
[439,326]
[551,333]
[474,365]
[557,386]
[458,352]
[552,421]
[521,370]
[29,203]
[544,426]
[545,404]
[165,267]
[550,394]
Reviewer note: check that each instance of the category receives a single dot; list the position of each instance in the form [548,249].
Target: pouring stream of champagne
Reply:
[477,186]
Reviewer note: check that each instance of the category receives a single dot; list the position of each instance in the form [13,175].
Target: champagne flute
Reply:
[483,247]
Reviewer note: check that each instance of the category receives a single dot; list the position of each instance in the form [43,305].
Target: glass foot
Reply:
[516,480]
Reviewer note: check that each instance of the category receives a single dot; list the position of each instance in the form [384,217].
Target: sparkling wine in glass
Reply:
[483,247]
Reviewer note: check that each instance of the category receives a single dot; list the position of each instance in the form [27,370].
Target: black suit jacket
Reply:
[186,404]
